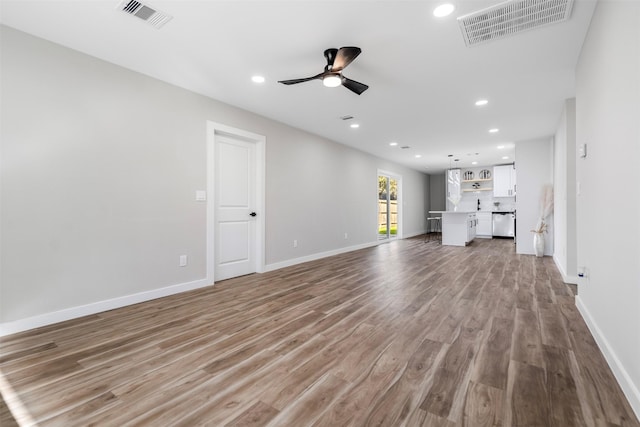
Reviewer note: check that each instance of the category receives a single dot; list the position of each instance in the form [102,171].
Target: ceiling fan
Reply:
[337,60]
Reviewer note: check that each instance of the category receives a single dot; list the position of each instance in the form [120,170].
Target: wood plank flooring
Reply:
[403,334]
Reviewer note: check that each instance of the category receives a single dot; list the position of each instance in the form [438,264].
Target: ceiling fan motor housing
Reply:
[330,55]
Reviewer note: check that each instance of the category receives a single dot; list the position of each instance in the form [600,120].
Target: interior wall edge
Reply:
[629,388]
[45,319]
[565,278]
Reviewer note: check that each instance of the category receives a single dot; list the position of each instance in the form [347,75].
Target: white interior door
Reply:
[235,207]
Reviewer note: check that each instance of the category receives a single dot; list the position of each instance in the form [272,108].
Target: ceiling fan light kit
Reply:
[332,80]
[337,60]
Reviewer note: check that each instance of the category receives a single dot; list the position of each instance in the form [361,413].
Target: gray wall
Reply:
[99,171]
[608,201]
[564,212]
[438,192]
[534,169]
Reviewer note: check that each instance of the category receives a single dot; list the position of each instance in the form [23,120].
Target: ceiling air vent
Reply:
[512,17]
[148,14]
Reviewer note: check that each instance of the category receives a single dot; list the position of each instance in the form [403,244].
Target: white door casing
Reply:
[235,183]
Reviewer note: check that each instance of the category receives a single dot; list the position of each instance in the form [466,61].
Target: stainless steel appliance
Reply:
[504,224]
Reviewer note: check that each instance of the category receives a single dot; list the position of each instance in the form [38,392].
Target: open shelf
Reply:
[470,190]
[477,180]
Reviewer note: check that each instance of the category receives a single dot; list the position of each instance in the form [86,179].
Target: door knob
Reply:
[253,214]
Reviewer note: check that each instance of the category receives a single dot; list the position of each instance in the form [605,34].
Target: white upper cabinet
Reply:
[504,181]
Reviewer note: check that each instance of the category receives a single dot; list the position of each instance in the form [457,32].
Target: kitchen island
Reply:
[458,227]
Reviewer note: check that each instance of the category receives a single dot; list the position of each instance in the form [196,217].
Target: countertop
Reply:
[468,212]
[452,212]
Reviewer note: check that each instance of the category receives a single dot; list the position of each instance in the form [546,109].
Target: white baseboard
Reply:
[565,278]
[320,255]
[45,319]
[630,390]
[8,328]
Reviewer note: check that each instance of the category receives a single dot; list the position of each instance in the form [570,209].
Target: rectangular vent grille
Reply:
[148,14]
[512,17]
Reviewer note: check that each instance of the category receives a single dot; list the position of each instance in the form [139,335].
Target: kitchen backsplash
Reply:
[469,202]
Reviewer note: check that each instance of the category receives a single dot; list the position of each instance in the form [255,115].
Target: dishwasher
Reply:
[504,224]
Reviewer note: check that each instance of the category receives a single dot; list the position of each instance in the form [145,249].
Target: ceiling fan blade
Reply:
[344,57]
[295,81]
[354,86]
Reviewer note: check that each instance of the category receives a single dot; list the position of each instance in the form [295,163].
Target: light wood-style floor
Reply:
[406,333]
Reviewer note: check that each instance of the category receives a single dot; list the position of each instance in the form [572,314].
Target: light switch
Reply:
[201,196]
[582,151]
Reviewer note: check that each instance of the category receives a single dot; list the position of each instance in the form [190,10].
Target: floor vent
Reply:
[148,14]
[512,17]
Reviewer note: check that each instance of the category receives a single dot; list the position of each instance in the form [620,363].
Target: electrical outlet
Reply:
[183,260]
[295,243]
[346,236]
[583,273]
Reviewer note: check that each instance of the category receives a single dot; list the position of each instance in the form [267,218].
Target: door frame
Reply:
[214,129]
[398,178]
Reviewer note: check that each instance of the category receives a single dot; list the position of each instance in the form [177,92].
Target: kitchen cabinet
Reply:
[484,228]
[472,223]
[458,228]
[504,181]
[454,191]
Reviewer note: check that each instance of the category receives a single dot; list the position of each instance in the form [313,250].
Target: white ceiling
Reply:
[423,79]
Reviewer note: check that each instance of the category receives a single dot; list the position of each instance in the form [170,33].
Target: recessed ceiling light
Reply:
[354,126]
[474,163]
[494,130]
[393,144]
[443,10]
[481,102]
[500,147]
[505,157]
[418,156]
[257,79]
